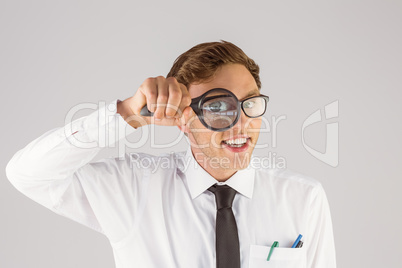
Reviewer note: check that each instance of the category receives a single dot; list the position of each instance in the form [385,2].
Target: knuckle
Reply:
[175,94]
[162,98]
[148,81]
[171,79]
[151,94]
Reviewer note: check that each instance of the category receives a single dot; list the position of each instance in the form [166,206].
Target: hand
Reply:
[168,99]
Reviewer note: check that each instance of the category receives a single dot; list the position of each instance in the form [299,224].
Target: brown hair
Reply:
[200,63]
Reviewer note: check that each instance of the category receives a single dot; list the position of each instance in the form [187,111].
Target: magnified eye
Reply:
[217,106]
[219,109]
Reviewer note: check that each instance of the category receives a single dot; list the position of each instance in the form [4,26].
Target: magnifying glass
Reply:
[219,109]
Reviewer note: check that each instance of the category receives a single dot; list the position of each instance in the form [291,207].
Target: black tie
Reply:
[227,239]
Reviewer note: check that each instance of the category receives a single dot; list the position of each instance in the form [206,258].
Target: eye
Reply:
[217,106]
[248,104]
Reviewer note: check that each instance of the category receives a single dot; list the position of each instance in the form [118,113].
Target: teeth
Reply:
[236,141]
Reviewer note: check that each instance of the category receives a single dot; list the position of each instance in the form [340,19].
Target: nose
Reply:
[243,118]
[240,125]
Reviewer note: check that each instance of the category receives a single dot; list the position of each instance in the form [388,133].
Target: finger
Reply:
[185,101]
[138,101]
[149,89]
[161,101]
[187,116]
[174,100]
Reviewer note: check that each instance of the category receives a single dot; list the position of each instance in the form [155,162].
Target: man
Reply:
[209,207]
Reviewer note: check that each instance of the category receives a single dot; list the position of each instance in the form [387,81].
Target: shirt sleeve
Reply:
[320,244]
[55,170]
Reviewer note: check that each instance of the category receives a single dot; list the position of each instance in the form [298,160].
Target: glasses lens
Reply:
[255,106]
[219,110]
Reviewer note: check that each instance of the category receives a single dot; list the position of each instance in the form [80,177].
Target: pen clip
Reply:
[274,245]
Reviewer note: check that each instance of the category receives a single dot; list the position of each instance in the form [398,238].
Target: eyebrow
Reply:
[254,92]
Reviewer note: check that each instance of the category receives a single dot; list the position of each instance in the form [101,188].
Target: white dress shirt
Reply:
[156,211]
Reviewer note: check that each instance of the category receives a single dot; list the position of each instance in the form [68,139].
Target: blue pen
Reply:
[297,241]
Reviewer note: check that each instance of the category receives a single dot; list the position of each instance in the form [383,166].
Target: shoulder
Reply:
[288,176]
[287,181]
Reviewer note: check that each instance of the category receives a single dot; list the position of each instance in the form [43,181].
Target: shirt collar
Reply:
[199,180]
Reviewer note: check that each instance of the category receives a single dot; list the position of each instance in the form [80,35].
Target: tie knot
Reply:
[224,195]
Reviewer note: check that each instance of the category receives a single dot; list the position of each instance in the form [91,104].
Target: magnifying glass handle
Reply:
[145,112]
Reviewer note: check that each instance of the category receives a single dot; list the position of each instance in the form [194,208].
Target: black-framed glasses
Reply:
[219,109]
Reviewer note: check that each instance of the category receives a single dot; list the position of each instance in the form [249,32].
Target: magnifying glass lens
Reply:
[219,110]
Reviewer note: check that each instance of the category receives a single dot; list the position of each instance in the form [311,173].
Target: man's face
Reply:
[210,146]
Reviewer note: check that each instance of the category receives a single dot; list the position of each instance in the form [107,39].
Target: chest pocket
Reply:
[281,257]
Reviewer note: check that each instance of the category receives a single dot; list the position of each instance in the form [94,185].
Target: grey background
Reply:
[56,54]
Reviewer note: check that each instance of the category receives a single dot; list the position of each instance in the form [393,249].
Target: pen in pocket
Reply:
[300,244]
[274,245]
[297,241]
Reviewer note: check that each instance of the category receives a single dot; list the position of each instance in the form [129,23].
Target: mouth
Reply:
[236,144]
